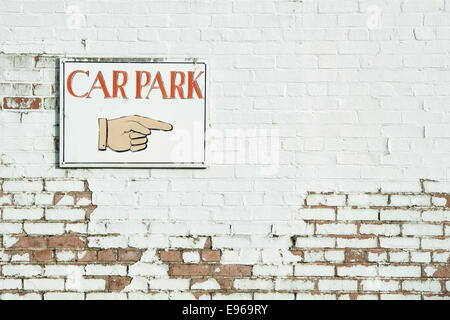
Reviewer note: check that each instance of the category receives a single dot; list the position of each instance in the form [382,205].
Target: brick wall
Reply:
[352,202]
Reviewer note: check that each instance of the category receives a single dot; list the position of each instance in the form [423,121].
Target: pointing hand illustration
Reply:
[128,133]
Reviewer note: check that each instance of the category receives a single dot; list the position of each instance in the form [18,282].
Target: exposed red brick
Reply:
[87,256]
[29,242]
[118,283]
[44,255]
[82,195]
[208,243]
[170,256]
[57,197]
[189,270]
[65,242]
[442,272]
[297,252]
[225,284]
[355,255]
[89,210]
[129,255]
[211,255]
[232,270]
[198,295]
[107,255]
[21,103]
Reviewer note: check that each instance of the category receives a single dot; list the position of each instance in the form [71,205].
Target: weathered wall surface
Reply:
[351,199]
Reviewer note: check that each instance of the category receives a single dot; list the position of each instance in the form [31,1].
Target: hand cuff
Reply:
[102,133]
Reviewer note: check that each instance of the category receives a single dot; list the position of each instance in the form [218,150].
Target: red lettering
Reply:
[192,84]
[116,86]
[160,86]
[101,80]
[139,85]
[69,82]
[174,86]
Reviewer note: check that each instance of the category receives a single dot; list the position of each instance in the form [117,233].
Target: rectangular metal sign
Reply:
[132,113]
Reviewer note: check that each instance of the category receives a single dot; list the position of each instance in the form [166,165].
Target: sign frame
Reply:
[119,165]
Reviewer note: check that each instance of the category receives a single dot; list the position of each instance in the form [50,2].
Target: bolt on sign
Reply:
[132,113]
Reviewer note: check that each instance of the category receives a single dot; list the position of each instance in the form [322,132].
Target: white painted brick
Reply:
[17,296]
[95,270]
[146,269]
[316,214]
[313,270]
[421,286]
[191,257]
[21,270]
[22,185]
[399,243]
[10,284]
[275,270]
[356,243]
[336,228]
[295,285]
[402,200]
[22,214]
[43,284]
[44,228]
[380,229]
[400,215]
[326,200]
[380,285]
[357,214]
[438,244]
[85,285]
[363,200]
[401,256]
[210,284]
[169,284]
[399,271]
[65,256]
[253,284]
[106,296]
[316,296]
[10,228]
[64,185]
[338,285]
[357,271]
[63,296]
[423,257]
[422,229]
[315,242]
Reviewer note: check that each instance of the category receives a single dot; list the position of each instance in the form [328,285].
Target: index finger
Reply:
[152,123]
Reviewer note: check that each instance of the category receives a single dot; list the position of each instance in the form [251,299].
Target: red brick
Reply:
[83,195]
[170,256]
[232,270]
[129,255]
[21,103]
[87,256]
[189,270]
[118,283]
[354,255]
[44,255]
[29,242]
[66,242]
[107,255]
[211,255]
[442,272]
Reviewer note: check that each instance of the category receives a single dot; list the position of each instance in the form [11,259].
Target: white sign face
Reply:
[132,113]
